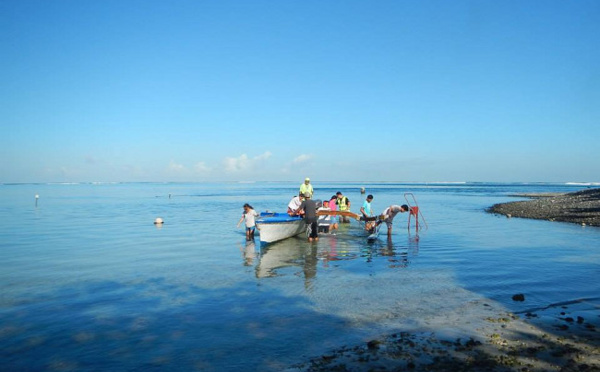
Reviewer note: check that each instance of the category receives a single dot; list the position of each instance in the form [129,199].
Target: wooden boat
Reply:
[278,226]
[339,213]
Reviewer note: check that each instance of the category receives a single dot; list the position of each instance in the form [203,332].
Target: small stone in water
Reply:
[518,297]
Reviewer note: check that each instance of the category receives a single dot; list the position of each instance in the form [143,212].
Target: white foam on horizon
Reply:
[447,183]
[583,183]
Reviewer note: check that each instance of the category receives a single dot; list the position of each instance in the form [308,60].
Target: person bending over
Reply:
[388,215]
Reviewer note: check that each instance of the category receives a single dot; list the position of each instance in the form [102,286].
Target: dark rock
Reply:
[472,343]
[518,297]
[328,357]
[373,344]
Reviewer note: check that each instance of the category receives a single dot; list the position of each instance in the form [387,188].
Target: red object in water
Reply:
[414,211]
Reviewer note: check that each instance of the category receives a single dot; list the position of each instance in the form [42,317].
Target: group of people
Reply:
[299,206]
[336,202]
[386,216]
[304,205]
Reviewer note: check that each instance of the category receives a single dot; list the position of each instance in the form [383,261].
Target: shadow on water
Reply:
[155,325]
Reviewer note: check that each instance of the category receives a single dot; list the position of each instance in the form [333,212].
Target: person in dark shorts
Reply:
[250,216]
[308,209]
[388,215]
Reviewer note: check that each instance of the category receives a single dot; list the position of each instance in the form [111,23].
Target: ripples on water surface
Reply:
[88,282]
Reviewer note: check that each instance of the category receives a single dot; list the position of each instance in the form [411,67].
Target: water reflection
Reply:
[328,251]
[396,258]
[397,254]
[331,251]
[334,248]
[286,253]
[249,253]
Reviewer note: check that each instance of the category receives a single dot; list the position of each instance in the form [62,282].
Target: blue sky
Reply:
[280,90]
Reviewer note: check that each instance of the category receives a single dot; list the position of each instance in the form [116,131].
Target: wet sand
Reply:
[581,207]
[563,337]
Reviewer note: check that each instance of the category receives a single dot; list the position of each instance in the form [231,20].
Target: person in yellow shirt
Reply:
[343,204]
[306,187]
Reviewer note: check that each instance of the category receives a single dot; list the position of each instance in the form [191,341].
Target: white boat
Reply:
[278,226]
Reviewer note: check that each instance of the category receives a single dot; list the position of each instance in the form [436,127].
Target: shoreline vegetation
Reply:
[582,207]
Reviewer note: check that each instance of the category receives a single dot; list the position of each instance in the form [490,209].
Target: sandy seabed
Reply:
[562,337]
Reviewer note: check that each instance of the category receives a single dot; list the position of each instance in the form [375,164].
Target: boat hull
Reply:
[278,226]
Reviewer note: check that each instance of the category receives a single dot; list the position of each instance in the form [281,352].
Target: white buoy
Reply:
[36,199]
[158,221]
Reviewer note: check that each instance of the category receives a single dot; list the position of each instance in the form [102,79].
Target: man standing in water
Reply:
[308,209]
[306,187]
[366,207]
[343,204]
[388,215]
[367,213]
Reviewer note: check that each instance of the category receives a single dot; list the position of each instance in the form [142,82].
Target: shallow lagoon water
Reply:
[90,283]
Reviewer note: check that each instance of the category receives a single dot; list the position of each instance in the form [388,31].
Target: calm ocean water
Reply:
[88,282]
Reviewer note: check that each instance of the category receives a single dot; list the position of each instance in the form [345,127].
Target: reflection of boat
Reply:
[278,255]
[292,252]
[277,226]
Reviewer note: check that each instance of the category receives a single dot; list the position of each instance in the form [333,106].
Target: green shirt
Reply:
[304,188]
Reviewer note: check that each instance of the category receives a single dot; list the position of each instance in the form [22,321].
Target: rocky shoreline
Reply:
[557,338]
[582,207]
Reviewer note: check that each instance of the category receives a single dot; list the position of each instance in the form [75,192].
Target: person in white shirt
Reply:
[249,215]
[294,204]
[324,220]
